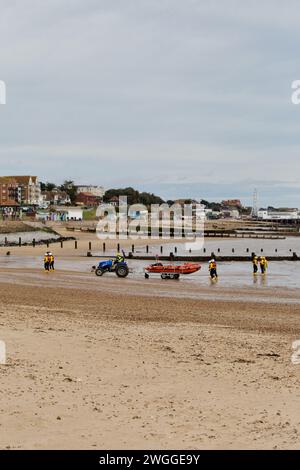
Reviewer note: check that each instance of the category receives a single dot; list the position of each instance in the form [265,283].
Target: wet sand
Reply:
[111,363]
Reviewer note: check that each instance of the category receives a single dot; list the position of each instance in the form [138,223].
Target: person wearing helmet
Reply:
[212,267]
[47,262]
[51,262]
[119,258]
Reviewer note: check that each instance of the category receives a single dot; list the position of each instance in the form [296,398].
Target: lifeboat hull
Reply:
[186,268]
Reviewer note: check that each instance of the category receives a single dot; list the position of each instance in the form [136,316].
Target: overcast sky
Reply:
[193,93]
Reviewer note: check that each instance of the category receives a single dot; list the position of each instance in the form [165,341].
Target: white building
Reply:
[62,214]
[265,214]
[210,214]
[69,213]
[74,213]
[93,190]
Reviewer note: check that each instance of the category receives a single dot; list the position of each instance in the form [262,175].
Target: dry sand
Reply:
[109,363]
[83,240]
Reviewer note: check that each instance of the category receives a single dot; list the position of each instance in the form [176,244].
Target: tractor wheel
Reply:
[164,276]
[146,276]
[122,271]
[99,272]
[176,276]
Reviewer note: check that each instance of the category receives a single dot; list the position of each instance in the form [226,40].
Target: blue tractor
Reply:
[109,266]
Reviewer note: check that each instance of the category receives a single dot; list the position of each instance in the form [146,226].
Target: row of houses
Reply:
[90,196]
[22,196]
[17,191]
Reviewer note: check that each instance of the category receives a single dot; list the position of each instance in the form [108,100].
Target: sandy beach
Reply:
[83,240]
[149,230]
[109,363]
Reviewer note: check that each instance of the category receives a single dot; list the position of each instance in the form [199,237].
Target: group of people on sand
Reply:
[260,261]
[49,261]
[257,261]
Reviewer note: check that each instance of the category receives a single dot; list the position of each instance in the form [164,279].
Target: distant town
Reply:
[25,197]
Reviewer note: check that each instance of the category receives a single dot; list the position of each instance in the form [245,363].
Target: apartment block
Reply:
[19,190]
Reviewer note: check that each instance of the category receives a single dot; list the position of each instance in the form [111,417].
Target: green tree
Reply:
[69,187]
[133,196]
[48,186]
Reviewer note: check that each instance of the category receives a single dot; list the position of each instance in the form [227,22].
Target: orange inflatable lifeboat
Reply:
[171,271]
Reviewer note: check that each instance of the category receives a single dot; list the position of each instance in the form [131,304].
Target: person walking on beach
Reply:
[254,263]
[212,267]
[51,262]
[46,262]
[263,264]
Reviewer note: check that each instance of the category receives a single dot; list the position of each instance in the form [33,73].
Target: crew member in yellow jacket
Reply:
[212,267]
[263,264]
[51,265]
[254,263]
[46,262]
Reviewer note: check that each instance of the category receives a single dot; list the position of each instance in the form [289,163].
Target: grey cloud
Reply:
[148,90]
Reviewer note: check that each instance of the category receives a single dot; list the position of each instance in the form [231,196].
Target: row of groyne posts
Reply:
[172,255]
